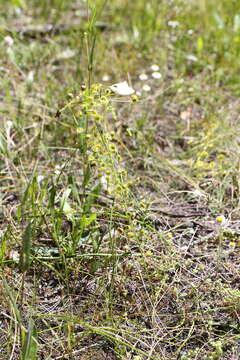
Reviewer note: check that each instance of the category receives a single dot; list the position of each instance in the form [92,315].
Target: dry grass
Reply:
[109,243]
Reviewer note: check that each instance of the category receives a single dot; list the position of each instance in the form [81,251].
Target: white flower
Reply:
[9,124]
[40,178]
[14,255]
[146,88]
[104,183]
[173,24]
[66,54]
[143,77]
[192,58]
[9,40]
[30,77]
[105,77]
[138,93]
[190,32]
[198,193]
[154,67]
[122,88]
[57,170]
[156,75]
[221,220]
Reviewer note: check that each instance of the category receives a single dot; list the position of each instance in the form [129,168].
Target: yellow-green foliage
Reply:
[209,148]
[94,118]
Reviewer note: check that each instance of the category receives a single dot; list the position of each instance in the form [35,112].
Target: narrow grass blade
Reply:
[3,146]
[179,172]
[86,176]
[24,261]
[29,351]
[91,198]
[8,294]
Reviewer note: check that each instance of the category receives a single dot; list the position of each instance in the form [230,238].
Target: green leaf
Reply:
[12,300]
[64,198]
[86,176]
[200,44]
[52,196]
[73,185]
[3,247]
[3,146]
[25,260]
[91,198]
[65,207]
[29,351]
[86,221]
[19,3]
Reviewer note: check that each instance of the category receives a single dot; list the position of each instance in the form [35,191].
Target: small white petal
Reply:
[105,77]
[190,32]
[192,58]
[104,183]
[221,220]
[146,88]
[122,88]
[156,75]
[138,93]
[9,40]
[40,178]
[66,54]
[143,77]
[154,67]
[14,255]
[18,10]
[30,77]
[57,170]
[173,24]
[198,193]
[9,124]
